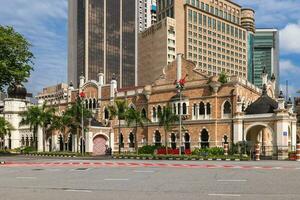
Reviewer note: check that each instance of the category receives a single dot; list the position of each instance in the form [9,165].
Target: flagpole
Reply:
[180,122]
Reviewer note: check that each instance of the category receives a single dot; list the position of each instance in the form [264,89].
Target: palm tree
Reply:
[138,119]
[165,119]
[5,127]
[118,110]
[72,118]
[38,116]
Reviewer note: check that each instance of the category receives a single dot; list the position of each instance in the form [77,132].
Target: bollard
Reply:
[298,152]
[225,149]
[257,152]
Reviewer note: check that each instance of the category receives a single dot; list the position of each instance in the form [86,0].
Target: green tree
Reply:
[71,119]
[5,127]
[223,78]
[166,118]
[135,117]
[35,117]
[15,57]
[118,110]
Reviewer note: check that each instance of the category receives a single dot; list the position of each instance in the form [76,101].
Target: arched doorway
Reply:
[187,144]
[99,145]
[70,142]
[131,140]
[61,143]
[204,139]
[82,145]
[262,134]
[173,140]
[50,144]
[157,138]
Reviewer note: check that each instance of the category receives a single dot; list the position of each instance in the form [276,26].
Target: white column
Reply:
[238,131]
[75,143]
[40,139]
[294,134]
[205,111]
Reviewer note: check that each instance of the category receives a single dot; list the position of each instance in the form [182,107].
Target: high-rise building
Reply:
[265,55]
[147,14]
[103,39]
[211,33]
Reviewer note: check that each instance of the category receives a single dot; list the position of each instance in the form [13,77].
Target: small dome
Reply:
[17,91]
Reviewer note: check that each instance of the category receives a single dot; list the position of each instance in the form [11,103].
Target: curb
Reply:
[176,159]
[42,155]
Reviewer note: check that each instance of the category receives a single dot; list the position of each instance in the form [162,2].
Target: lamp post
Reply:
[82,95]
[180,121]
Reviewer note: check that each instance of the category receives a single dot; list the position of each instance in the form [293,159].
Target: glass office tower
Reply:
[266,55]
[103,39]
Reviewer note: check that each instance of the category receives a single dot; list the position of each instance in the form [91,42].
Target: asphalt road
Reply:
[141,182]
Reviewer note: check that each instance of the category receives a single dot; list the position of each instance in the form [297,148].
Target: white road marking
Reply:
[140,171]
[116,179]
[25,177]
[225,195]
[231,180]
[77,190]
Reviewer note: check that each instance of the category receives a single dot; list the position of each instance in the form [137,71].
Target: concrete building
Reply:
[211,33]
[103,39]
[147,14]
[54,94]
[265,56]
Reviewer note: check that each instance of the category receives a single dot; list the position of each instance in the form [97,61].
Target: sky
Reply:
[44,23]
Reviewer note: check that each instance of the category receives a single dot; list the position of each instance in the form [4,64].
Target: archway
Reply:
[70,142]
[99,145]
[173,140]
[262,134]
[131,140]
[187,144]
[157,138]
[204,139]
[61,143]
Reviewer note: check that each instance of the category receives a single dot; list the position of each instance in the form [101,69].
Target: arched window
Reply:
[201,109]
[87,104]
[157,138]
[159,111]
[91,104]
[187,141]
[121,140]
[178,108]
[204,139]
[195,110]
[184,109]
[27,142]
[131,140]
[132,106]
[173,140]
[154,114]
[208,109]
[227,108]
[23,141]
[174,108]
[106,113]
[144,113]
[94,104]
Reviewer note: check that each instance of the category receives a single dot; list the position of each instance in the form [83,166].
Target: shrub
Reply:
[147,149]
[214,151]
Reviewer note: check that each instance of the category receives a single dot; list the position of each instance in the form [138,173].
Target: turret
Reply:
[113,87]
[264,77]
[101,79]
[289,105]
[179,66]
[281,101]
[81,81]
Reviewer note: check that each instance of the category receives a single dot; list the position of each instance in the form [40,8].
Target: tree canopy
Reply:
[16,59]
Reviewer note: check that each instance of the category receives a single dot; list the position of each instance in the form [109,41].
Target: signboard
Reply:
[285,133]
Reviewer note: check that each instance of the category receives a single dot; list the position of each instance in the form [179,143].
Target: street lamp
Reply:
[82,95]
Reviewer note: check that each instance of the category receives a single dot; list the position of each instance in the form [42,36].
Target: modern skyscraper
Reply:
[211,33]
[265,55]
[103,39]
[147,14]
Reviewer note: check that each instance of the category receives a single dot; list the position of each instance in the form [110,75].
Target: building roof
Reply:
[264,104]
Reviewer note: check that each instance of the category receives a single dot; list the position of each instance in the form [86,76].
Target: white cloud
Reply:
[289,38]
[44,24]
[287,67]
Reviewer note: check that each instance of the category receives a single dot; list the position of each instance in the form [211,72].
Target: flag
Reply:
[82,94]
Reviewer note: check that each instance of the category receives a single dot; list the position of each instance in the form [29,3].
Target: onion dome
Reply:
[273,78]
[281,96]
[264,104]
[17,91]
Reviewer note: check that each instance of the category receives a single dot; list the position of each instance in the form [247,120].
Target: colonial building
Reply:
[210,110]
[15,104]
